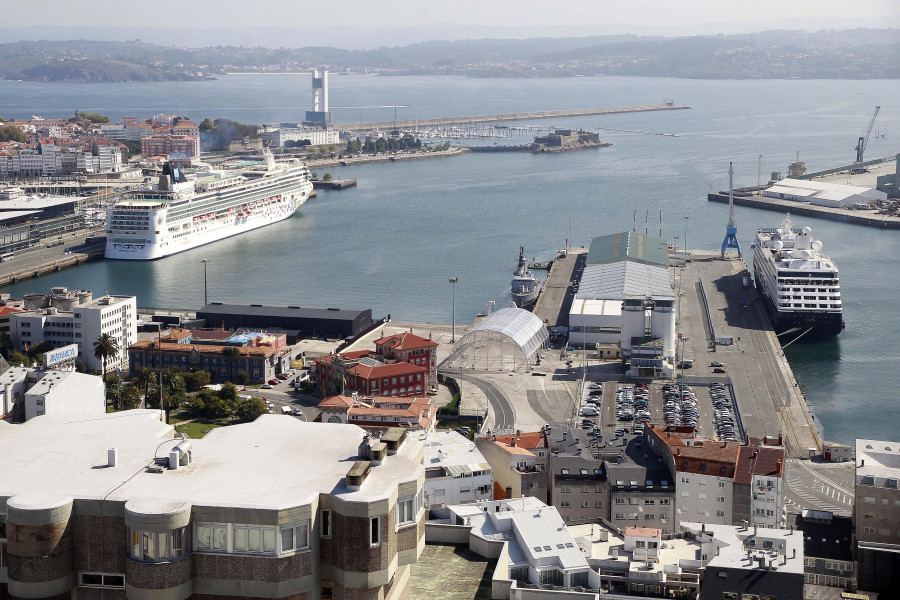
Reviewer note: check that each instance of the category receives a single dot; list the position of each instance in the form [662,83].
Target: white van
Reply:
[589,411]
[287,410]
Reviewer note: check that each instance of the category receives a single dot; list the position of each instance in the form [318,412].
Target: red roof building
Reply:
[402,365]
[413,349]
[379,413]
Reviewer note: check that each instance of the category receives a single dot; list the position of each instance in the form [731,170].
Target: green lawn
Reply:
[197,429]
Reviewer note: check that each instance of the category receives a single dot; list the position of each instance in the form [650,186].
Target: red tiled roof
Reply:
[405,341]
[339,401]
[328,358]
[499,492]
[643,531]
[706,457]
[515,449]
[8,310]
[398,368]
[171,347]
[754,460]
[533,439]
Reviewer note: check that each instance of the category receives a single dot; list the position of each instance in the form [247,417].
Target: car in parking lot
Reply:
[281,376]
[719,370]
[716,363]
[273,382]
[266,386]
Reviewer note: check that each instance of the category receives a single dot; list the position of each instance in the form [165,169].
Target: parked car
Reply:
[281,376]
[716,363]
[266,386]
[719,370]
[273,382]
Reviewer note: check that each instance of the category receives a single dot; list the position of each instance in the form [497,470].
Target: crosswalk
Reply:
[818,496]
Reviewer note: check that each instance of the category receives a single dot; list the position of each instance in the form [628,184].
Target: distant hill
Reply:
[847,54]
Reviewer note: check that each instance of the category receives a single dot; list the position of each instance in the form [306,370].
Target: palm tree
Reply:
[145,378]
[231,353]
[105,347]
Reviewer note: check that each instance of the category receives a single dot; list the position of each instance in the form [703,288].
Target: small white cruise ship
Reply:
[798,284]
[182,212]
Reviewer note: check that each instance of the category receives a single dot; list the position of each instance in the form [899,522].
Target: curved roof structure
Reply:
[521,326]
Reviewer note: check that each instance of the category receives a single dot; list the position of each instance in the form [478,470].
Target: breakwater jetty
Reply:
[523,116]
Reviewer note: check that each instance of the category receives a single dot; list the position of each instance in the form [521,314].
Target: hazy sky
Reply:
[411,13]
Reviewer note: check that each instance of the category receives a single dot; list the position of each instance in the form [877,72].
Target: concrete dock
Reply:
[869,218]
[767,395]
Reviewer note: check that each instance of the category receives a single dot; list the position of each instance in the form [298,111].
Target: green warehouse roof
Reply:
[628,246]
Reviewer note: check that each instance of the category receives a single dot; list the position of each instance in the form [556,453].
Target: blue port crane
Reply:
[731,240]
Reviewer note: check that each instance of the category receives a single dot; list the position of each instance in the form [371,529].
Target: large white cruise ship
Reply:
[798,284]
[183,212]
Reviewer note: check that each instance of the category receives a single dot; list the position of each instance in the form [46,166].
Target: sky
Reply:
[396,22]
[406,13]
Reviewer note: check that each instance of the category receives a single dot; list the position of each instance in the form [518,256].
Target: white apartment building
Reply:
[63,317]
[276,136]
[724,483]
[27,393]
[703,497]
[455,470]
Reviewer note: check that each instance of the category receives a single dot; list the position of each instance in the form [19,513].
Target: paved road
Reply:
[504,413]
[819,486]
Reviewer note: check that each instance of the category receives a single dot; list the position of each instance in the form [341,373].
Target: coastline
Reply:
[363,160]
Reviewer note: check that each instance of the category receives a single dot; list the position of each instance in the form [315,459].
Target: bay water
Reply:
[392,242]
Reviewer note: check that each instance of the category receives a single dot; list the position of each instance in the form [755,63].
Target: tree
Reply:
[249,409]
[94,117]
[196,380]
[11,133]
[17,359]
[144,380]
[105,347]
[327,177]
[206,126]
[230,353]
[129,396]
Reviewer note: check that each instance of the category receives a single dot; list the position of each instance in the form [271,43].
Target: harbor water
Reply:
[392,242]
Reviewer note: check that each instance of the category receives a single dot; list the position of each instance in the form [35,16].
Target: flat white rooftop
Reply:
[273,463]
[449,449]
[599,308]
[877,459]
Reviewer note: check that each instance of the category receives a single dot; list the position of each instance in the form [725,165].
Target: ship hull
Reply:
[180,227]
[213,233]
[526,300]
[824,325]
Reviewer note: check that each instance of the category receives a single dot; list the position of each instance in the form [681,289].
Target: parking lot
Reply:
[614,410]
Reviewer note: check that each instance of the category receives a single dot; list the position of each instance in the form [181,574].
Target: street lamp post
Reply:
[453,281]
[685,234]
[759,171]
[205,298]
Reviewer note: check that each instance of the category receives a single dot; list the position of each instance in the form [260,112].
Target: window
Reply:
[565,489]
[620,500]
[598,504]
[295,537]
[406,510]
[599,489]
[870,500]
[375,531]
[565,504]
[585,489]
[158,546]
[102,580]
[649,516]
[663,501]
[585,504]
[720,513]
[254,539]
[649,501]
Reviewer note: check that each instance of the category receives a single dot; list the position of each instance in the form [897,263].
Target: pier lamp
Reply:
[453,281]
[205,298]
[759,171]
[685,235]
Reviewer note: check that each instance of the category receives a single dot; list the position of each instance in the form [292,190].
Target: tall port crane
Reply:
[861,144]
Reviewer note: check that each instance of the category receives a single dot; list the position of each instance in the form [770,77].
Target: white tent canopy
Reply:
[487,345]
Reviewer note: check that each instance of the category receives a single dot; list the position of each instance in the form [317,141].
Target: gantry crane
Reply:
[861,144]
